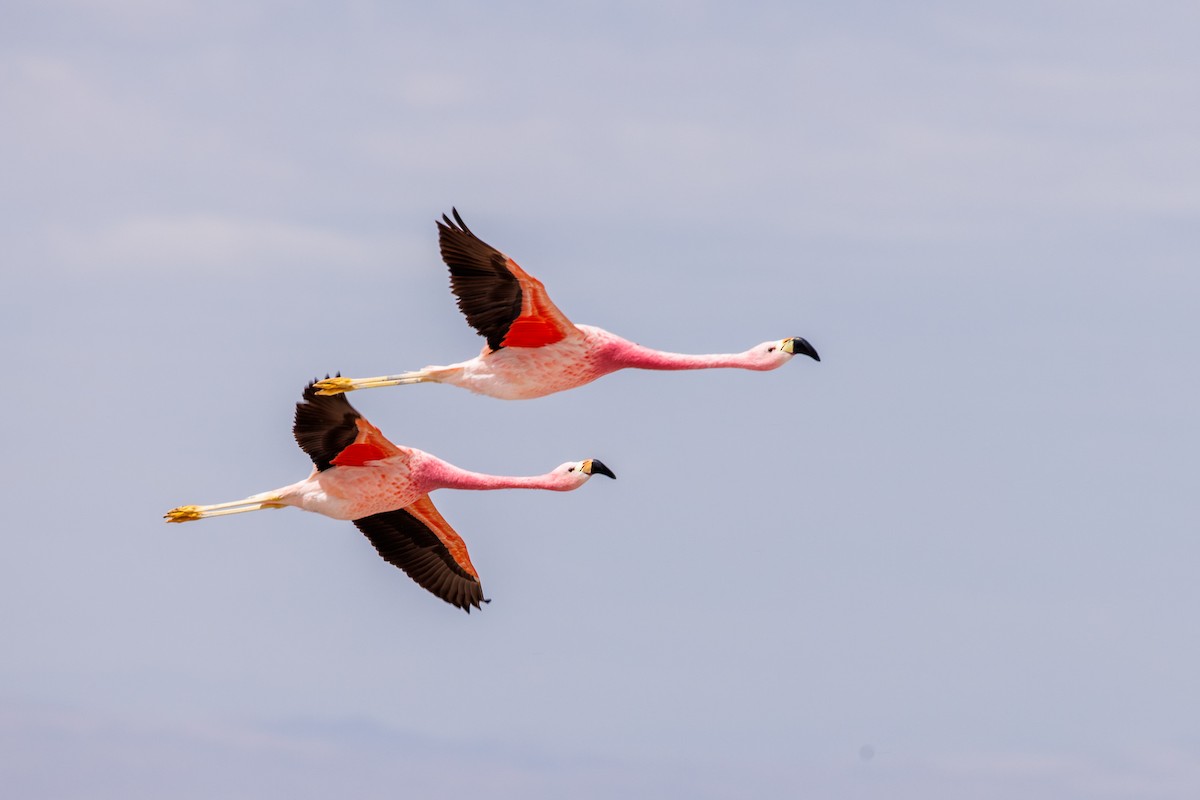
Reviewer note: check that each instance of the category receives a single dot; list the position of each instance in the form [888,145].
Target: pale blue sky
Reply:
[966,540]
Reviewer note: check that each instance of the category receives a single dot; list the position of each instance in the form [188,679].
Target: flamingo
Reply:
[383,488]
[532,348]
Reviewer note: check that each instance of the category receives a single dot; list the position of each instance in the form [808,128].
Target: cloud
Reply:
[213,243]
[129,758]
[1137,772]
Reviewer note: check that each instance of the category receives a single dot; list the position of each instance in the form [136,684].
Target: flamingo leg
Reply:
[332,386]
[256,502]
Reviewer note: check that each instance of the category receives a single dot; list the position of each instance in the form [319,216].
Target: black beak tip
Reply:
[598,468]
[802,347]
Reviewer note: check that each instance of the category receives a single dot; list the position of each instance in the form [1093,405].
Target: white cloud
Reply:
[1144,773]
[129,758]
[212,243]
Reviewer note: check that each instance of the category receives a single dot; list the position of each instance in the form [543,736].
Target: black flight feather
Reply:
[489,296]
[324,426]
[404,541]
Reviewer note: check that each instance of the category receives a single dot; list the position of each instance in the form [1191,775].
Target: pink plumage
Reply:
[359,475]
[532,348]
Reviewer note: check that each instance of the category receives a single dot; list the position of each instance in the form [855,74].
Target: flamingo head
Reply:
[576,473]
[774,354]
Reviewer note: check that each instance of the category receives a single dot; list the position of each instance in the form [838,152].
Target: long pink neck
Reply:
[628,354]
[437,474]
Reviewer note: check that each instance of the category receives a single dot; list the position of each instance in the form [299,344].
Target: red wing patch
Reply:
[369,445]
[540,322]
[428,516]
[531,332]
[358,454]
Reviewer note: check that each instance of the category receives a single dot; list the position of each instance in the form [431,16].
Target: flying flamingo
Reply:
[384,488]
[532,348]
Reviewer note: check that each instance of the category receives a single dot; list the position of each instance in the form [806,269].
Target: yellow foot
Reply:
[332,386]
[255,503]
[183,514]
[338,385]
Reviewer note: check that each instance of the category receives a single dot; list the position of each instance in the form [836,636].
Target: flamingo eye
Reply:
[570,469]
[771,349]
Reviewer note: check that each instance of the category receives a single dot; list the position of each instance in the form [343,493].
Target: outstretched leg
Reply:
[435,374]
[331,386]
[255,502]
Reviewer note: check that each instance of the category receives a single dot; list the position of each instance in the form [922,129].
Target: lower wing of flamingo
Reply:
[418,540]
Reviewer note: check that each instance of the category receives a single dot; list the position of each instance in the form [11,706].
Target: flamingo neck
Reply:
[441,475]
[628,354]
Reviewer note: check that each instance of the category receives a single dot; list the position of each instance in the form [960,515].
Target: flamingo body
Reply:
[359,475]
[590,353]
[513,373]
[532,348]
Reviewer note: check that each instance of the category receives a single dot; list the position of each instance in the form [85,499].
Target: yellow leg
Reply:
[256,502]
[331,386]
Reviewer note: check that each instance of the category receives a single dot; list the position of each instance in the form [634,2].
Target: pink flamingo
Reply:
[532,348]
[384,488]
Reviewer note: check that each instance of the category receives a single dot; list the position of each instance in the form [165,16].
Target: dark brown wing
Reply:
[324,426]
[419,541]
[508,306]
[489,296]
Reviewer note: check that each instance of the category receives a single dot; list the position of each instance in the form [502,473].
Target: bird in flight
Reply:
[532,348]
[384,488]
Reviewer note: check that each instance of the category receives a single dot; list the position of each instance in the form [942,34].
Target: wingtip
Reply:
[457,225]
[469,604]
[310,389]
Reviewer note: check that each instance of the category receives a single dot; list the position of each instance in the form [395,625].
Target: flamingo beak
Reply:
[596,466]
[800,347]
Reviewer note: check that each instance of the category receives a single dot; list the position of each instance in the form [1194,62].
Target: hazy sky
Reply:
[957,558]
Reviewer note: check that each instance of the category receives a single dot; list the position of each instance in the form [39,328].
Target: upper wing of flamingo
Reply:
[509,307]
[418,540]
[333,433]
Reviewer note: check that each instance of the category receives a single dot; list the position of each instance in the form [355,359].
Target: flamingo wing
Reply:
[334,434]
[505,304]
[418,540]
